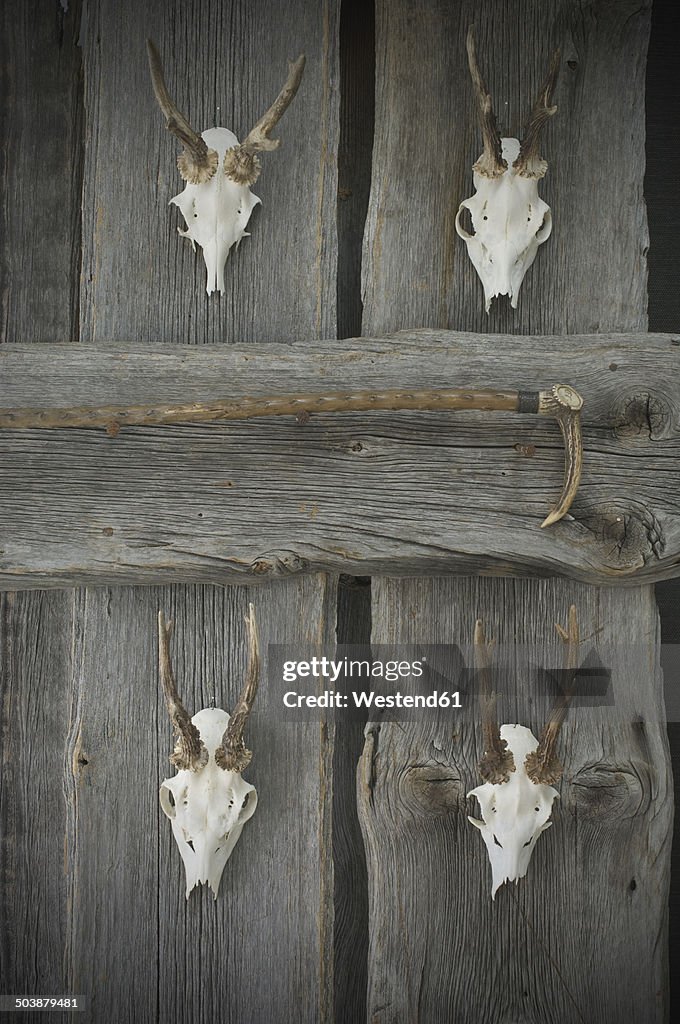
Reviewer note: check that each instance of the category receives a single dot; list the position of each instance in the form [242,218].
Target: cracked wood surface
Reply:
[255,499]
[571,943]
[91,880]
[581,937]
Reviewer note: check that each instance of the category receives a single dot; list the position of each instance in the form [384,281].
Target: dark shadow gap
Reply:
[662,187]
[357,115]
[349,860]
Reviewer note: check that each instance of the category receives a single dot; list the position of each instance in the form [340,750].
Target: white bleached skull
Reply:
[518,772]
[217,202]
[216,211]
[509,219]
[514,813]
[207,801]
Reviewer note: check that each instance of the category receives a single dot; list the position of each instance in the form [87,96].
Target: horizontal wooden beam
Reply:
[398,494]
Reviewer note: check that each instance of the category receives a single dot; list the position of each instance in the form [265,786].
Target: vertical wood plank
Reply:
[224,64]
[41,111]
[112,838]
[568,944]
[41,105]
[116,920]
[258,949]
[577,938]
[264,949]
[35,671]
[416,269]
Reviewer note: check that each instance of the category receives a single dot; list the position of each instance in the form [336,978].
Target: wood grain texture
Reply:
[35,661]
[416,270]
[566,946]
[41,105]
[184,502]
[118,922]
[41,110]
[582,937]
[224,65]
[262,944]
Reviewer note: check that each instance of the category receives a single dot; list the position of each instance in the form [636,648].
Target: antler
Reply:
[498,762]
[491,163]
[232,754]
[240,162]
[190,752]
[197,163]
[542,765]
[529,164]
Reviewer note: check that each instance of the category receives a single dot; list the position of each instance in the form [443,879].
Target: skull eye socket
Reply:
[545,228]
[465,229]
[168,802]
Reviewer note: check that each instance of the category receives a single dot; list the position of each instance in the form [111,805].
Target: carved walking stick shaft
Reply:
[561,402]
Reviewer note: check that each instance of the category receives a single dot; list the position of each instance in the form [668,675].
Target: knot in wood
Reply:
[279,563]
[432,789]
[630,534]
[642,416]
[606,791]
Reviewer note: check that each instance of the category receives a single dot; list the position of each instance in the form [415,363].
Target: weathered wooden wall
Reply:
[104,909]
[101,505]
[93,893]
[545,951]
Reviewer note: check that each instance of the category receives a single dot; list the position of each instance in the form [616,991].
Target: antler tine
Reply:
[498,762]
[240,162]
[190,752]
[543,765]
[232,754]
[197,163]
[491,163]
[529,164]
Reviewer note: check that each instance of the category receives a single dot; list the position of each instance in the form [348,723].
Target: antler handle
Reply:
[561,402]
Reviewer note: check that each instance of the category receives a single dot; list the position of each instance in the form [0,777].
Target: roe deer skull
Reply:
[217,202]
[518,771]
[509,219]
[207,801]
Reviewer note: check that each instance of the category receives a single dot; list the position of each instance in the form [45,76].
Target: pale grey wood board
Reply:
[41,109]
[184,502]
[263,943]
[439,949]
[591,274]
[35,661]
[41,138]
[581,937]
[140,279]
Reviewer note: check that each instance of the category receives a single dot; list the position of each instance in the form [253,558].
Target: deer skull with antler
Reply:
[207,801]
[519,772]
[217,202]
[509,219]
